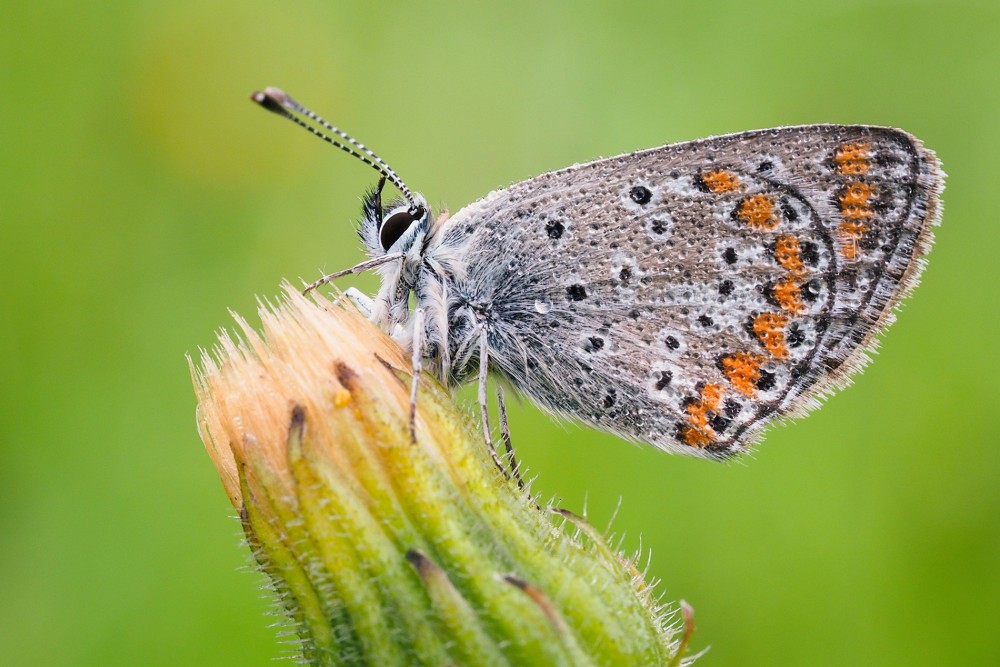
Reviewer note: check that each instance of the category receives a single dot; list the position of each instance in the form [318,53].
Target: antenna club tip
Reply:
[276,93]
[272,99]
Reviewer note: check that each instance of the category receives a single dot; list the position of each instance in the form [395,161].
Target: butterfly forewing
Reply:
[686,296]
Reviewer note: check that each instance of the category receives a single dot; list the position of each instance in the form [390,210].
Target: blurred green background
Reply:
[143,195]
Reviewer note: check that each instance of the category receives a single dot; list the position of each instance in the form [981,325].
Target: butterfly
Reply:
[685,296]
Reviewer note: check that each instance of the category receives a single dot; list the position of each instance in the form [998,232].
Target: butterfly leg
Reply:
[361,301]
[417,363]
[512,463]
[484,412]
[357,268]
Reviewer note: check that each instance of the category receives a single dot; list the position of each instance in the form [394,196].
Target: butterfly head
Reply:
[392,226]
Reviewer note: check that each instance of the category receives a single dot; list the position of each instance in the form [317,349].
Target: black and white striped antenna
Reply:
[278,101]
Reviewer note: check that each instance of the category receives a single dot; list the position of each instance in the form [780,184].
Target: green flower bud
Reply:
[385,551]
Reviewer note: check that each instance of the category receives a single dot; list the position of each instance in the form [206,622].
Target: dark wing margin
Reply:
[883,190]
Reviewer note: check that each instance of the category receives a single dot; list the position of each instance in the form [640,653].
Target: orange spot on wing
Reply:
[742,369]
[696,437]
[855,208]
[786,293]
[769,330]
[697,432]
[852,159]
[851,233]
[718,181]
[854,201]
[786,251]
[758,212]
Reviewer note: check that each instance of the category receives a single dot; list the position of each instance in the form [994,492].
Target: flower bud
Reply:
[389,551]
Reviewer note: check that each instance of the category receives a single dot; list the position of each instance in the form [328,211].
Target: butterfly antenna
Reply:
[279,102]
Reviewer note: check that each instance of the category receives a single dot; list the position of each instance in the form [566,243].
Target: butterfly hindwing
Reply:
[688,295]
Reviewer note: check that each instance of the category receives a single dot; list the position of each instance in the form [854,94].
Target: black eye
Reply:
[396,224]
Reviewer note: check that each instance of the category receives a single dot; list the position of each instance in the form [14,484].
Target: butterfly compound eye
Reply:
[396,223]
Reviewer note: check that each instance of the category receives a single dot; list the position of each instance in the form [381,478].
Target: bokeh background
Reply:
[143,196]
